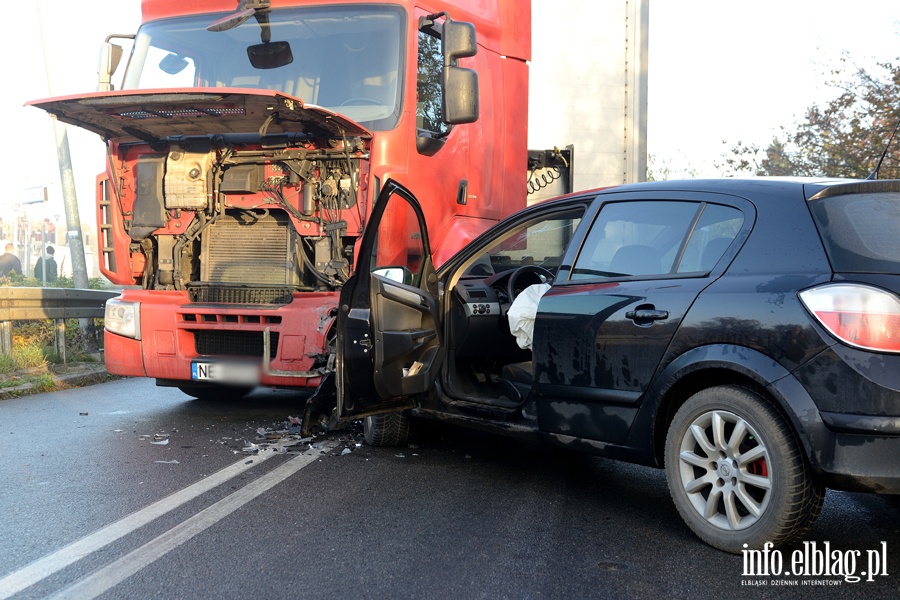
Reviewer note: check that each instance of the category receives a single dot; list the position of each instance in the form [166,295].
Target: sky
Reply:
[733,71]
[720,71]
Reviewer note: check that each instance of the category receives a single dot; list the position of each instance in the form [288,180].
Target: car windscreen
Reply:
[860,231]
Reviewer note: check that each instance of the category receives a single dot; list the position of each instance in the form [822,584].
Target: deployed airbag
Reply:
[523,311]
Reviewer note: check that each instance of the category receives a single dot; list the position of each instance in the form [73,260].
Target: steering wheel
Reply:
[523,273]
[360,101]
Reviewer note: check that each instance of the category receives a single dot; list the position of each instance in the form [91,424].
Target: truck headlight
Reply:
[123,318]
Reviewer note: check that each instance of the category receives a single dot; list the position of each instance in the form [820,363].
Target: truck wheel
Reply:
[227,393]
[737,473]
[388,429]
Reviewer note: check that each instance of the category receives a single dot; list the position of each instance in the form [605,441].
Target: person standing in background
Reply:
[9,262]
[46,262]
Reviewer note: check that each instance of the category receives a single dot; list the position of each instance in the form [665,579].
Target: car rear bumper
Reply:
[852,452]
[863,454]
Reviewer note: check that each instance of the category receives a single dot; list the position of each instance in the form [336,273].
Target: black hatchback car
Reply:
[744,335]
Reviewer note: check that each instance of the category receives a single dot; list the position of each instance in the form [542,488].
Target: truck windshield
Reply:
[348,59]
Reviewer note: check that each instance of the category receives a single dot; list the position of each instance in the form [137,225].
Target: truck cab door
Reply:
[388,340]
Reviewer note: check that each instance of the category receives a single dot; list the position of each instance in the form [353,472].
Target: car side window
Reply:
[540,241]
[638,238]
[715,230]
[398,250]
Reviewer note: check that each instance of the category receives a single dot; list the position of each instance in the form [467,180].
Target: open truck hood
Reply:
[153,115]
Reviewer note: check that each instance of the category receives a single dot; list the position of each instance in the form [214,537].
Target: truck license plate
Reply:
[225,372]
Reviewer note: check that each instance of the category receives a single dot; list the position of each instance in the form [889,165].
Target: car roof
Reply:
[809,187]
[733,185]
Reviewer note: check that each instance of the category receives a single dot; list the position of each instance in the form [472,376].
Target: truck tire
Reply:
[737,472]
[388,429]
[226,393]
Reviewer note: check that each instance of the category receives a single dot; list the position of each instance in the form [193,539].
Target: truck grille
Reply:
[232,343]
[247,247]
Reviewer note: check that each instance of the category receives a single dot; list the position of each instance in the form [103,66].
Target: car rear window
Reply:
[860,231]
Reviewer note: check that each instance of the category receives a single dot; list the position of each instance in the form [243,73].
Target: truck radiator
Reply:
[249,247]
[247,258]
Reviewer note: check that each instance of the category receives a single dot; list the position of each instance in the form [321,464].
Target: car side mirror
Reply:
[398,274]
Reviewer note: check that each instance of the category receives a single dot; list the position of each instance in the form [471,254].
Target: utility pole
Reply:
[74,236]
[70,201]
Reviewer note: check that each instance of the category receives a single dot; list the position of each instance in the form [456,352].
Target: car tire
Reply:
[388,429]
[746,485]
[226,393]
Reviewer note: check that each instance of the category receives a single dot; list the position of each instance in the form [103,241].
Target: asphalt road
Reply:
[125,490]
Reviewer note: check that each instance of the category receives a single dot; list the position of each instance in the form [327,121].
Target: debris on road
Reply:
[286,437]
[294,425]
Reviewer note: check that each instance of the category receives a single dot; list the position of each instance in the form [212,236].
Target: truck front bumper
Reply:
[174,333]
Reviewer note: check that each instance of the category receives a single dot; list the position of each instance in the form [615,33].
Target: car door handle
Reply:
[647,314]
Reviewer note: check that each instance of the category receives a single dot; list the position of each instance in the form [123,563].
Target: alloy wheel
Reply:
[724,468]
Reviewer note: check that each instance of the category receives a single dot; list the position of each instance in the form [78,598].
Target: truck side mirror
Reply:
[458,38]
[110,56]
[460,96]
[460,85]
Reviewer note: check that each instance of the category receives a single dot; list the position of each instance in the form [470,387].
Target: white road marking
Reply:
[62,558]
[108,577]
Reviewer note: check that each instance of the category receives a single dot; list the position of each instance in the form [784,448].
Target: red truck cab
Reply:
[247,147]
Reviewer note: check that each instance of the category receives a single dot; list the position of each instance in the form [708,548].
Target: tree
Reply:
[668,168]
[843,138]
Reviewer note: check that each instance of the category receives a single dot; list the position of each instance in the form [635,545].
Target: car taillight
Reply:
[859,315]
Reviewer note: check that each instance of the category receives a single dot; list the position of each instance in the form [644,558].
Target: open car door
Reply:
[388,340]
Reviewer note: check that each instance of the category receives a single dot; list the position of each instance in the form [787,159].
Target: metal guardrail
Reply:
[59,304]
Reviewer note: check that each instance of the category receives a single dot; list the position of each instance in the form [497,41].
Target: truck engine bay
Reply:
[233,222]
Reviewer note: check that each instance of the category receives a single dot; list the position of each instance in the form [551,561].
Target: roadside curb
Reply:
[75,375]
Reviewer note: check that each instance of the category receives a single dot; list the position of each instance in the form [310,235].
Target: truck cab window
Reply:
[348,59]
[173,70]
[428,88]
